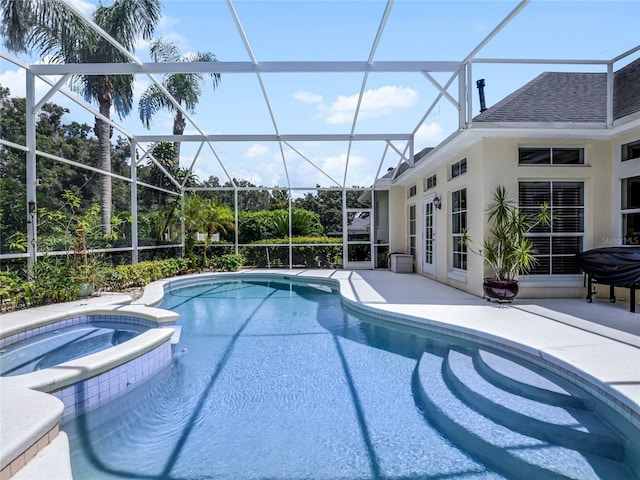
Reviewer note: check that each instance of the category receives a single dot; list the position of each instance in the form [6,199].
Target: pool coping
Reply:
[558,345]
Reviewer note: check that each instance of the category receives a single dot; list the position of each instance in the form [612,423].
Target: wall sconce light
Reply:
[436,202]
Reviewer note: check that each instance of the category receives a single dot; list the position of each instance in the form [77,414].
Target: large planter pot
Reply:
[85,289]
[500,290]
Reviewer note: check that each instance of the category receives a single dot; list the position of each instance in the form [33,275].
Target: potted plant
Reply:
[506,248]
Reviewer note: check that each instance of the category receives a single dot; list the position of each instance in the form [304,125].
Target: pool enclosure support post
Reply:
[235,220]
[345,229]
[32,204]
[290,231]
[462,97]
[610,78]
[134,204]
[182,236]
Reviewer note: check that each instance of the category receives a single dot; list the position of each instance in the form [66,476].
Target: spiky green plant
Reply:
[506,248]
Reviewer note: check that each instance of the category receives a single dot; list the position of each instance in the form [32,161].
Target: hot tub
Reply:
[59,346]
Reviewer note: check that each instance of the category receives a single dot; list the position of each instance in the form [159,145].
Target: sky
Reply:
[318,103]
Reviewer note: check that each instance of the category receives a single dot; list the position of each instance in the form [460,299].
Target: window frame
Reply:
[625,211]
[458,168]
[551,156]
[461,253]
[412,225]
[550,232]
[626,147]
[430,182]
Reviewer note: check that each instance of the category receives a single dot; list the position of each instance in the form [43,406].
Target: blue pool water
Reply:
[277,381]
[53,348]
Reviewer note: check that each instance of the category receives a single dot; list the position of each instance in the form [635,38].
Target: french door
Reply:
[429,235]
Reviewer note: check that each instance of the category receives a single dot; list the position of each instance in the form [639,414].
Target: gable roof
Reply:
[569,97]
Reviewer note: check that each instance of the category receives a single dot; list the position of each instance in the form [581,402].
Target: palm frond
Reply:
[162,50]
[152,101]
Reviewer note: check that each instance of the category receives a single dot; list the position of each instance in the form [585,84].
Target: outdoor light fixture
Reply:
[32,208]
[436,202]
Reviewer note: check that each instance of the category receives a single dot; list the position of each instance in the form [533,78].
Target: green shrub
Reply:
[227,263]
[52,281]
[11,291]
[258,254]
[143,273]
[254,226]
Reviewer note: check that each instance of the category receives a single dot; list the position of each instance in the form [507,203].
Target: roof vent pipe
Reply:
[480,85]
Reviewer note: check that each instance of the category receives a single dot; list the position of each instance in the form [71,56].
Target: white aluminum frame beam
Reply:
[305,137]
[344,66]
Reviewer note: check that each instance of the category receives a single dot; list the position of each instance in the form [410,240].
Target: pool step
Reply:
[573,428]
[507,451]
[515,378]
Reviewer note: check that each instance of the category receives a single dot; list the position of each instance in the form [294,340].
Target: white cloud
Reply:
[334,166]
[266,175]
[86,8]
[379,102]
[167,22]
[256,151]
[307,97]
[430,133]
[14,80]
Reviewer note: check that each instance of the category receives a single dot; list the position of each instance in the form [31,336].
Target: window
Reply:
[550,156]
[459,168]
[631,211]
[429,182]
[411,192]
[412,230]
[458,228]
[630,151]
[556,244]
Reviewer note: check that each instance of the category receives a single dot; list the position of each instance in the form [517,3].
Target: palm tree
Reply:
[216,218]
[34,26]
[184,87]
[50,28]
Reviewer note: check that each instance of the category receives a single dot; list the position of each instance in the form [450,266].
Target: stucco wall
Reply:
[397,219]
[492,162]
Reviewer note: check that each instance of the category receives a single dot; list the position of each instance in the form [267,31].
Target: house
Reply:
[556,139]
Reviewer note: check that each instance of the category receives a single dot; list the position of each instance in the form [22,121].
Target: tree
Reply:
[66,140]
[183,87]
[51,28]
[164,155]
[328,205]
[279,200]
[216,218]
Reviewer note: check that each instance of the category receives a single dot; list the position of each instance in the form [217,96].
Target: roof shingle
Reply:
[569,97]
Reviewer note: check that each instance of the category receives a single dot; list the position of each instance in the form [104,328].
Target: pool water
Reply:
[53,348]
[274,380]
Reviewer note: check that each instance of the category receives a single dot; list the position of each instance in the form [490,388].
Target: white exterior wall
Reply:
[492,162]
[398,228]
[502,161]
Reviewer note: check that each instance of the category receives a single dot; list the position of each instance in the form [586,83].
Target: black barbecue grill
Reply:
[613,266]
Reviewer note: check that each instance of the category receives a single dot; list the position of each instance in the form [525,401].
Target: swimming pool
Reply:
[277,380]
[62,345]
